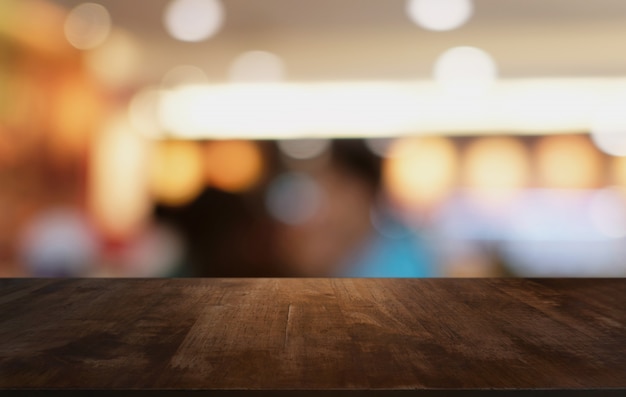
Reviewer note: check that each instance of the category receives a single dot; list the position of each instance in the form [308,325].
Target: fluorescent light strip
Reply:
[289,110]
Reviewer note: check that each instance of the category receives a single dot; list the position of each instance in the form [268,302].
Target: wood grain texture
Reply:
[313,333]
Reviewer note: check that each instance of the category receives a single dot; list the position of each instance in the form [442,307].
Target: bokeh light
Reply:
[35,26]
[496,167]
[87,26]
[119,198]
[257,66]
[176,172]
[465,71]
[262,96]
[143,112]
[618,171]
[233,166]
[59,243]
[77,109]
[607,211]
[439,15]
[115,62]
[193,20]
[293,198]
[608,129]
[303,149]
[420,171]
[568,162]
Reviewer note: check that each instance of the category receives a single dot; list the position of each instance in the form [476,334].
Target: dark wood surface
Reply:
[313,333]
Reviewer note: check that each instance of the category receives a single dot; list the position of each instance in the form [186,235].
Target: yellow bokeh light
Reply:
[496,167]
[568,162]
[618,171]
[420,171]
[35,26]
[233,166]
[119,198]
[176,172]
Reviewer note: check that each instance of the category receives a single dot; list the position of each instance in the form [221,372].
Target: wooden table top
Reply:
[416,334]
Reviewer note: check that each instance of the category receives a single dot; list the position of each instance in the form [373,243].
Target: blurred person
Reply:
[353,233]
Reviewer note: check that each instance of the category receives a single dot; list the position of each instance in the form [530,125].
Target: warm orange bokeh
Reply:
[568,162]
[77,110]
[118,195]
[233,166]
[496,164]
[421,170]
[618,171]
[176,172]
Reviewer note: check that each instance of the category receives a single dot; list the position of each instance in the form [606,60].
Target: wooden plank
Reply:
[357,334]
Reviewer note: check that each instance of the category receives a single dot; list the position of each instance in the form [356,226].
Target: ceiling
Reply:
[262,15]
[374,39]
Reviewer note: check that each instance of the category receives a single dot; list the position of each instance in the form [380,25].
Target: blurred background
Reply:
[396,138]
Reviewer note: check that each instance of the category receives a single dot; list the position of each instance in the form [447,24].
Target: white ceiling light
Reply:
[380,109]
[439,15]
[193,20]
[465,71]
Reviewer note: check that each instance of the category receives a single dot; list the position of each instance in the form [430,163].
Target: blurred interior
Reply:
[233,138]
